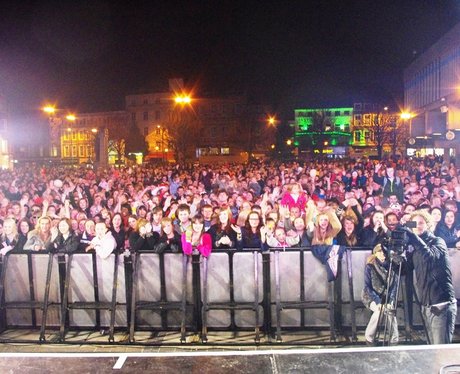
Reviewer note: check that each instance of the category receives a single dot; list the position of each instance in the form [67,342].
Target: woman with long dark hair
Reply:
[352,226]
[196,240]
[23,230]
[448,230]
[67,240]
[253,234]
[118,232]
[223,236]
[376,231]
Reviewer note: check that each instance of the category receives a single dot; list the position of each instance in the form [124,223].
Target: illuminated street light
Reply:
[183,99]
[71,117]
[49,109]
[406,115]
[289,142]
[271,120]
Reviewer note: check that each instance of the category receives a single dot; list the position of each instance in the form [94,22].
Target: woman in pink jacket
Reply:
[295,196]
[197,240]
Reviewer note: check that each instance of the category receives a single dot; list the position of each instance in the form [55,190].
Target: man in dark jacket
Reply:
[431,263]
[391,185]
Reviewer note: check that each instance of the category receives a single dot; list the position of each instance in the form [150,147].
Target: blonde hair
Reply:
[371,259]
[15,226]
[425,215]
[43,218]
[140,223]
[318,236]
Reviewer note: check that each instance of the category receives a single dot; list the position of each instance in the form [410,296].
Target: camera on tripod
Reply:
[398,239]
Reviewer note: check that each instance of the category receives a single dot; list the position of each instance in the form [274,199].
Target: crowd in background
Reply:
[203,207]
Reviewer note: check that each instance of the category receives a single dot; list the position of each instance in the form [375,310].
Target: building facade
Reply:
[375,125]
[323,131]
[432,95]
[208,129]
[96,138]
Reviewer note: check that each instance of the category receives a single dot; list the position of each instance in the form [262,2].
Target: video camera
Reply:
[398,240]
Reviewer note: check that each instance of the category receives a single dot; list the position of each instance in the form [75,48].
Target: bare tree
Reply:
[389,131]
[183,129]
[381,126]
[126,139]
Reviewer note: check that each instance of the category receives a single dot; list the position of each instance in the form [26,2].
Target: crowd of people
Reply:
[256,205]
[201,208]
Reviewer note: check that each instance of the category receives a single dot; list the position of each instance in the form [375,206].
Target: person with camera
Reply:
[378,296]
[431,263]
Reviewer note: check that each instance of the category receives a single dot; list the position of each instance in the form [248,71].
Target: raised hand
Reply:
[236,228]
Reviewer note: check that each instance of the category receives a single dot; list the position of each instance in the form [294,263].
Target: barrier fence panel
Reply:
[31,291]
[158,287]
[90,294]
[230,291]
[303,297]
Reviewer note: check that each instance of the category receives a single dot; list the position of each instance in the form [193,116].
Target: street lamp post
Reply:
[406,116]
[179,135]
[69,131]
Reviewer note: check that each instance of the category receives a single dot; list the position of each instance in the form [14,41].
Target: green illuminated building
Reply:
[323,131]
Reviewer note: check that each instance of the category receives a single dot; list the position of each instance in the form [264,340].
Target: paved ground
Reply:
[26,341]
[398,359]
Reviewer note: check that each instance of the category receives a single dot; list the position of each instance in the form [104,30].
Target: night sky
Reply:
[87,55]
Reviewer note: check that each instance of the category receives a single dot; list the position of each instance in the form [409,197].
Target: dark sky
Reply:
[88,55]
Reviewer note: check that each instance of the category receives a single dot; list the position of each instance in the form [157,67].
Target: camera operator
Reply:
[431,263]
[377,295]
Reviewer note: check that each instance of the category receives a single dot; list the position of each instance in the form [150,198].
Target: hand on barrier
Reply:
[225,240]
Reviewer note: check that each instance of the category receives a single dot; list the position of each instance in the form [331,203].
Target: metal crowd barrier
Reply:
[269,292]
